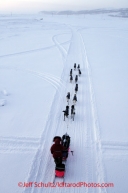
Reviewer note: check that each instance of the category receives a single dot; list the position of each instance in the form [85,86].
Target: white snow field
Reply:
[36,56]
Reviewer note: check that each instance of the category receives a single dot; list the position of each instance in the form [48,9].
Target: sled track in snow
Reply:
[115,145]
[114,149]
[56,44]
[61,48]
[94,161]
[18,144]
[53,80]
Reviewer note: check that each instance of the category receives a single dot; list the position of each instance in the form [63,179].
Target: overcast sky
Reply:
[39,5]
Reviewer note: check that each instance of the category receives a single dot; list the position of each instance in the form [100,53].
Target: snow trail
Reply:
[86,165]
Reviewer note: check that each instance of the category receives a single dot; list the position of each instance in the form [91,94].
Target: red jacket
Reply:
[57,149]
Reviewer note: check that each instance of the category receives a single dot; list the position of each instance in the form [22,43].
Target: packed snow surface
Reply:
[36,55]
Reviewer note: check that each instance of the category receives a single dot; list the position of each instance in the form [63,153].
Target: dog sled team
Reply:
[60,148]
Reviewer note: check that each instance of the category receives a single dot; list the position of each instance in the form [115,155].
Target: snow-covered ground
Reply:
[36,56]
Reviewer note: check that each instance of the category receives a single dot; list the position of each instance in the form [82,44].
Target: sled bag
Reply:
[59,174]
